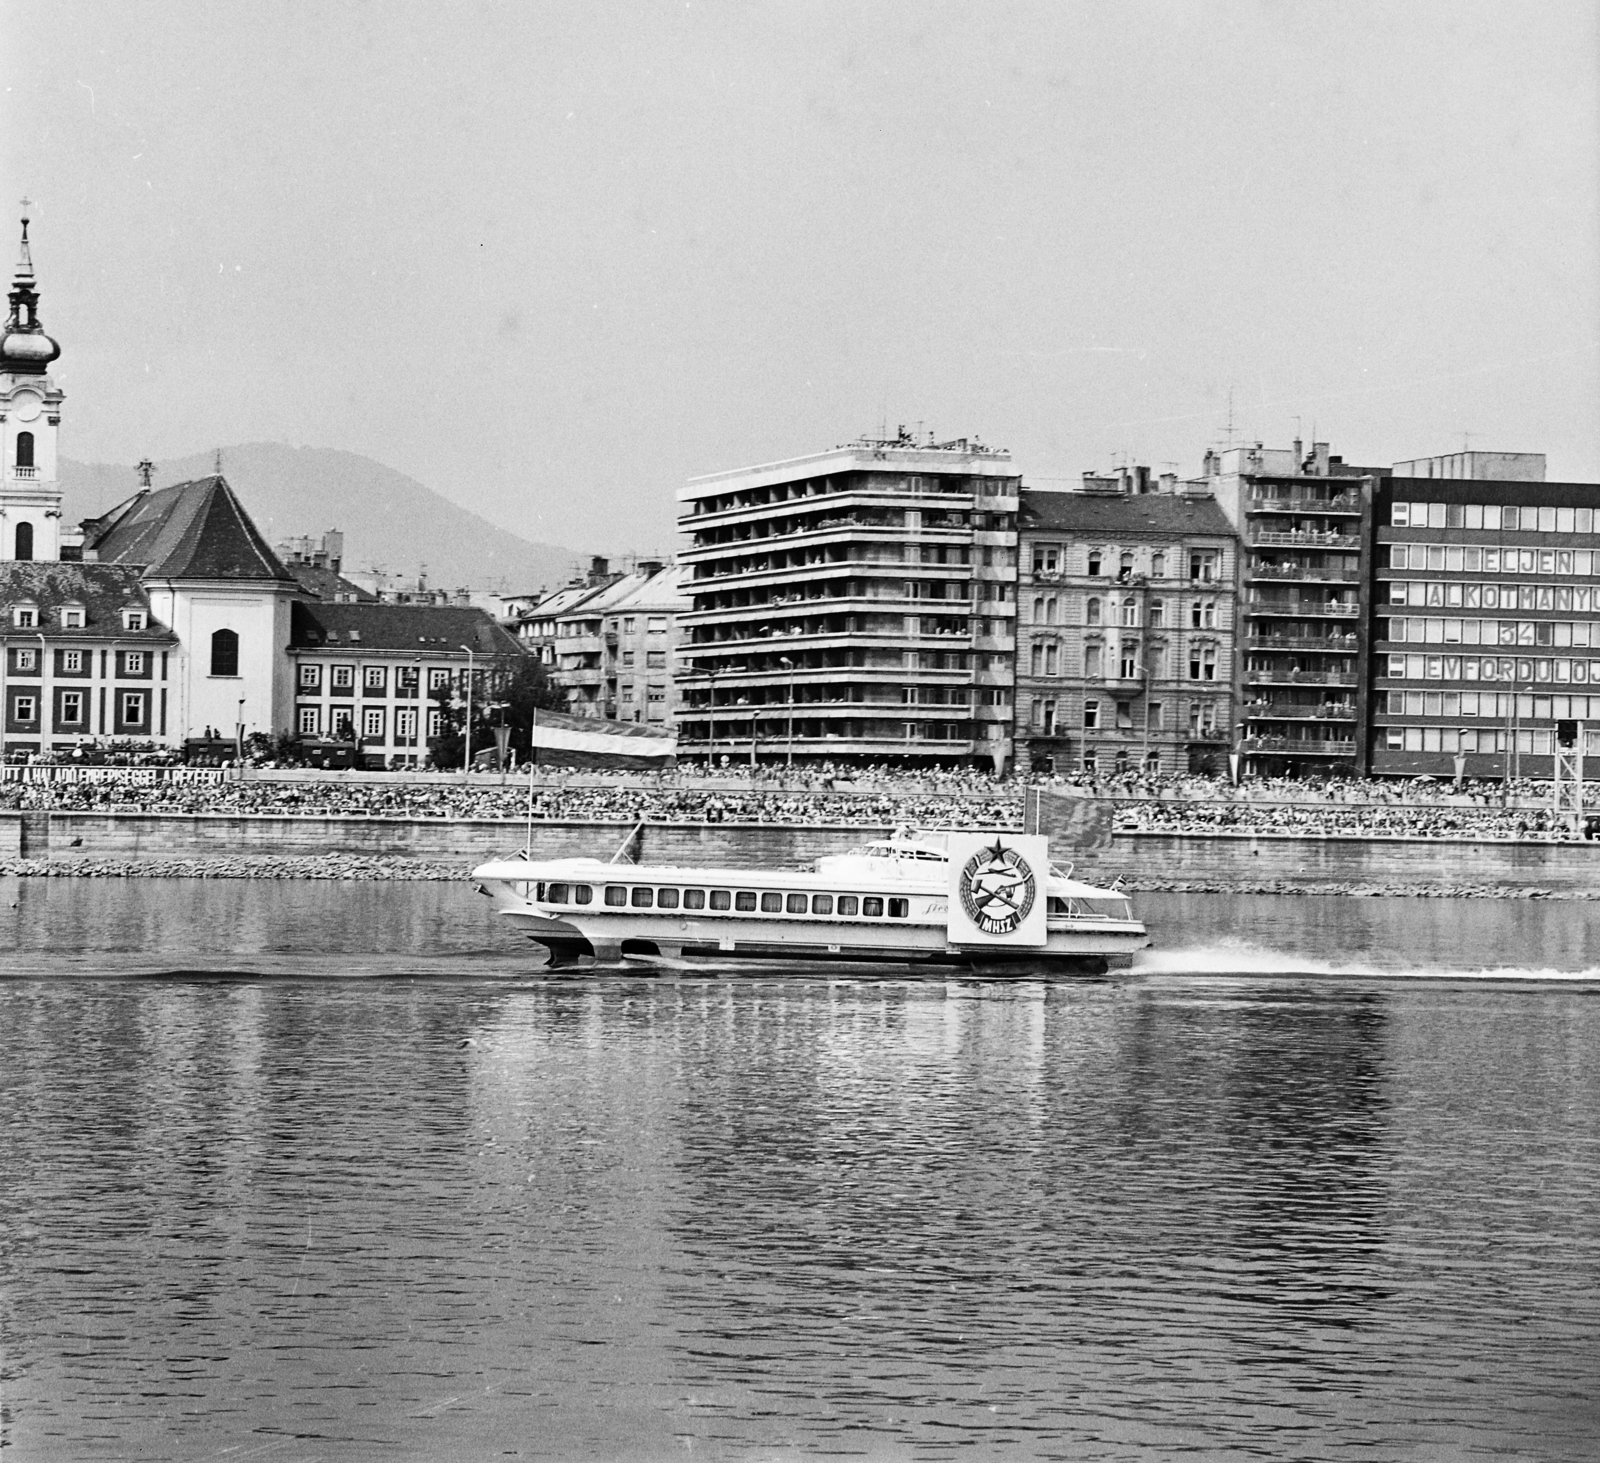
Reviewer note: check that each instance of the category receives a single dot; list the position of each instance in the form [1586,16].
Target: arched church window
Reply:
[24,541]
[224,653]
[24,449]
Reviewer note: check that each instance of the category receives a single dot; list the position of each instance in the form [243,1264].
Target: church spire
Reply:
[25,350]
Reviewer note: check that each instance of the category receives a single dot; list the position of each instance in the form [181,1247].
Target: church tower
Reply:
[30,411]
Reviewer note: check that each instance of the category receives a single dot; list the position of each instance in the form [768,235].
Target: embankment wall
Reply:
[1220,860]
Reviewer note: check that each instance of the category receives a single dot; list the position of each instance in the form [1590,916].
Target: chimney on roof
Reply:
[651,567]
[333,547]
[599,569]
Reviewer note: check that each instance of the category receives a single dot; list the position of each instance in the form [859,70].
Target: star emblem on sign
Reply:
[997,889]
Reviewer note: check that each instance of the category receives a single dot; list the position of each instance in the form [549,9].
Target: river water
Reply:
[331,1171]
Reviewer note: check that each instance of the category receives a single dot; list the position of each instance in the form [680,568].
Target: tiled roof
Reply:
[661,592]
[321,582]
[104,591]
[419,629]
[195,530]
[1162,513]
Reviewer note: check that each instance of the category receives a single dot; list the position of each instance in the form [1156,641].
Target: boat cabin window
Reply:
[557,894]
[796,904]
[582,894]
[666,898]
[538,888]
[848,904]
[771,903]
[616,895]
[822,904]
[744,899]
[694,898]
[899,908]
[643,898]
[872,905]
[719,899]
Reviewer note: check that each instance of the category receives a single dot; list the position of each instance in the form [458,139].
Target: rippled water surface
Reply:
[295,1171]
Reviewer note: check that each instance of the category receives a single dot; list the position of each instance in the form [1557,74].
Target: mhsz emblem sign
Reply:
[997,893]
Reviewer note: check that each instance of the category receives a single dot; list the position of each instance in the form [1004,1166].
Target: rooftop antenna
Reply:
[146,470]
[216,465]
[1466,439]
[1230,434]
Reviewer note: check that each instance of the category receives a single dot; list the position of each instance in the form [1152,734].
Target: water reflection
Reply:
[470,1217]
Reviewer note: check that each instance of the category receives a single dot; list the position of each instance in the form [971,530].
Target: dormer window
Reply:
[72,617]
[135,620]
[25,617]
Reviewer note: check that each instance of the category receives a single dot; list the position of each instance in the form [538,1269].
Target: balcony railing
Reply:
[1302,539]
[1334,644]
[1301,609]
[24,472]
[1299,746]
[1293,711]
[1299,678]
[1304,503]
[1302,572]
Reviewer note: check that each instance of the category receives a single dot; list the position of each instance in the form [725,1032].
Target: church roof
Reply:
[195,530]
[425,630]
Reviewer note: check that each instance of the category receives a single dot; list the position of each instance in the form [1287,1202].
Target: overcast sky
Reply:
[551,259]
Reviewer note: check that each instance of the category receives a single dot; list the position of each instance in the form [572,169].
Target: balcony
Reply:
[1299,678]
[25,474]
[1296,609]
[1302,572]
[1299,746]
[1295,711]
[1331,644]
[1305,503]
[1302,539]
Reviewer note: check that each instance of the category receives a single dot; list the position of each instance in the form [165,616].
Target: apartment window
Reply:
[375,679]
[1158,614]
[1091,611]
[310,677]
[1203,567]
[406,679]
[72,662]
[1203,663]
[655,660]
[1124,715]
[1091,662]
[1153,716]
[72,617]
[343,678]
[25,661]
[310,720]
[1130,611]
[1038,658]
[1155,660]
[372,722]
[1091,715]
[134,620]
[1158,565]
[1129,666]
[133,662]
[438,680]
[1203,614]
[657,624]
[1125,568]
[1095,561]
[433,721]
[25,708]
[25,617]
[405,724]
[628,625]
[627,658]
[72,706]
[1046,558]
[131,707]
[1050,660]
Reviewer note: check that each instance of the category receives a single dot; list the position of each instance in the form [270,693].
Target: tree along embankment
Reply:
[258,846]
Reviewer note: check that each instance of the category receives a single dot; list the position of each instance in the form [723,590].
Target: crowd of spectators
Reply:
[876,797]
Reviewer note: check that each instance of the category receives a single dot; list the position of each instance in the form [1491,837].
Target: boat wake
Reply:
[1239,960]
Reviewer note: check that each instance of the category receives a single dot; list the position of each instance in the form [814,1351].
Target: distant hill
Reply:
[389,520]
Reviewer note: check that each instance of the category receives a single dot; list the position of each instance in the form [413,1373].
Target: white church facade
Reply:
[170,616]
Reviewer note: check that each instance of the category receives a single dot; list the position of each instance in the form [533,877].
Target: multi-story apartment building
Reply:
[1125,628]
[1486,618]
[609,638]
[856,605]
[1304,523]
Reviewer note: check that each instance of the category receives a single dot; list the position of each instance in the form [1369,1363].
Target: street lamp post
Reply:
[238,740]
[466,760]
[788,759]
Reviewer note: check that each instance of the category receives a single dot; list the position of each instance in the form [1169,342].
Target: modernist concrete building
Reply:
[1304,523]
[1125,628]
[856,605]
[1486,616]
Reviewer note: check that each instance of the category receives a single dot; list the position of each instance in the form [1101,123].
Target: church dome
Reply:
[27,350]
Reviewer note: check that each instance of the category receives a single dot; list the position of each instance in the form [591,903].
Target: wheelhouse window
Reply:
[556,894]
